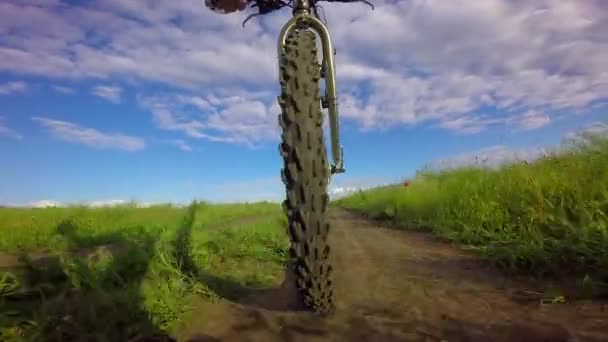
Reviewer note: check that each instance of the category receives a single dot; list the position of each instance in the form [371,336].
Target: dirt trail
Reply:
[395,285]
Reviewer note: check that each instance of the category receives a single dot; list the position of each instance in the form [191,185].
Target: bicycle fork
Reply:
[302,17]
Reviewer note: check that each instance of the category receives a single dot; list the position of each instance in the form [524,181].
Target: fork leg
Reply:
[330,100]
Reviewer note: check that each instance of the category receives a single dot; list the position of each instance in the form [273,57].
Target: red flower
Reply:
[406,183]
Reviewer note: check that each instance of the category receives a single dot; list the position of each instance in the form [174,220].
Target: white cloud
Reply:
[497,155]
[342,191]
[241,117]
[106,203]
[406,63]
[109,93]
[591,130]
[491,157]
[533,119]
[98,203]
[91,137]
[63,89]
[139,40]
[469,124]
[181,144]
[444,60]
[44,204]
[8,132]
[13,87]
[596,128]
[339,187]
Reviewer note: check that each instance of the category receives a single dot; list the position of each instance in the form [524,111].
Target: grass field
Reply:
[543,217]
[139,268]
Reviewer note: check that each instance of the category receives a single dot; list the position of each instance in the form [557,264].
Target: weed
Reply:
[545,217]
[124,273]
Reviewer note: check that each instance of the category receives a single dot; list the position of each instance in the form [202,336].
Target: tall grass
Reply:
[118,274]
[545,216]
[39,229]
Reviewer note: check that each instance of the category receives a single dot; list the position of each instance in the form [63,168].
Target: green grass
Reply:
[222,213]
[117,273]
[40,229]
[545,217]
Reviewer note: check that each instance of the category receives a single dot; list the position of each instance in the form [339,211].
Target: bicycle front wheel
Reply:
[306,171]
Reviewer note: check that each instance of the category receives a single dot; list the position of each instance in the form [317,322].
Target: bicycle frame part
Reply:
[302,17]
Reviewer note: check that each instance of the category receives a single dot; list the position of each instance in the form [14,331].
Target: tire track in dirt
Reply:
[395,285]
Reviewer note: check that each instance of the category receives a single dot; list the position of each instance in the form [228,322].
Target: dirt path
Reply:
[404,286]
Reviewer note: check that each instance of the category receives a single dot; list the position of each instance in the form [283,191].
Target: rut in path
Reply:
[395,285]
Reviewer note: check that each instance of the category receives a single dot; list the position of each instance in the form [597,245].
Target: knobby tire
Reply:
[305,171]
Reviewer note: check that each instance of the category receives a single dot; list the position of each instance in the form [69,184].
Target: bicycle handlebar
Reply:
[363,1]
[268,6]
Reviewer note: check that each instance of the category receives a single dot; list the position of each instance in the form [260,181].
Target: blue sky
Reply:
[168,101]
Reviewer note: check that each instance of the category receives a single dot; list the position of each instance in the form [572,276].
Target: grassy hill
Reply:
[546,216]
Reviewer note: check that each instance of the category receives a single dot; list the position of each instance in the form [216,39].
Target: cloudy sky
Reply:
[167,101]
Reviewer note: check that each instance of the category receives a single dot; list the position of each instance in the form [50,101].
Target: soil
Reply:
[400,285]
